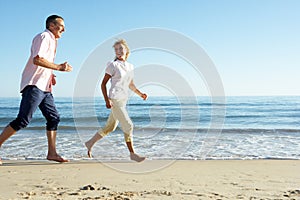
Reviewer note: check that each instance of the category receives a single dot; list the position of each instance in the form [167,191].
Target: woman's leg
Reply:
[90,143]
[120,113]
[110,126]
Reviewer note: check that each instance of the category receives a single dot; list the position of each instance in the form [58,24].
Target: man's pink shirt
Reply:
[44,46]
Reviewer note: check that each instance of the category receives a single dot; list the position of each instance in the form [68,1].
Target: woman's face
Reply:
[120,51]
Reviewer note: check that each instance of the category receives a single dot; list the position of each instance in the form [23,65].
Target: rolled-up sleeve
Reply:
[40,46]
[110,69]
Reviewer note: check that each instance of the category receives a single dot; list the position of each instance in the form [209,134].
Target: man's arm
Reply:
[45,63]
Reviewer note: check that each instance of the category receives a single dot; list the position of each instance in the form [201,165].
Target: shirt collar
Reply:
[51,34]
[123,62]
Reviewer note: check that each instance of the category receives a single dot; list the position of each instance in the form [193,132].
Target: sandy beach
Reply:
[214,179]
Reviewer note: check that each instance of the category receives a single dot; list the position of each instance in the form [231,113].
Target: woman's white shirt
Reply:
[121,73]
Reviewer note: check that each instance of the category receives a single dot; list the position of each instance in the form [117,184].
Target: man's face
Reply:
[57,28]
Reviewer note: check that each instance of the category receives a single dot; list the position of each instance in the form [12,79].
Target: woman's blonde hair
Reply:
[123,42]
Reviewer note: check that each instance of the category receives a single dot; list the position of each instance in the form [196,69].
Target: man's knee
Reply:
[52,123]
[19,123]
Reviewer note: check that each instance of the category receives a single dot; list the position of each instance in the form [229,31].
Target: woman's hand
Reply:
[144,96]
[108,104]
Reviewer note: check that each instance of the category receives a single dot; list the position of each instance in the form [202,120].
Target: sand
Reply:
[154,179]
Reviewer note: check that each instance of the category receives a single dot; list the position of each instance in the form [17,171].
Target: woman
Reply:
[120,72]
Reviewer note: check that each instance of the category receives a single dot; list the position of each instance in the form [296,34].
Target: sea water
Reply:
[166,128]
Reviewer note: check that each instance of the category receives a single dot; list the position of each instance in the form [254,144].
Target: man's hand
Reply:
[53,80]
[65,67]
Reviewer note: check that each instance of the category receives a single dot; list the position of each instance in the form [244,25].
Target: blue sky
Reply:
[254,45]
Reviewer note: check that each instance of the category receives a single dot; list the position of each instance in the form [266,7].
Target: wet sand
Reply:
[155,179]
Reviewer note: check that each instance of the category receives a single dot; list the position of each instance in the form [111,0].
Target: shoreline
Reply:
[156,179]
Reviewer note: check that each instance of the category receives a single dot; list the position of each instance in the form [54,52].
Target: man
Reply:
[36,85]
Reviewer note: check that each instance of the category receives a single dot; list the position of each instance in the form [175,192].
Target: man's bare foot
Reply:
[57,158]
[89,152]
[136,157]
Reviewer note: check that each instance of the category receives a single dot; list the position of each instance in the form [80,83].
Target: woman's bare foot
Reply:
[136,157]
[89,147]
[56,158]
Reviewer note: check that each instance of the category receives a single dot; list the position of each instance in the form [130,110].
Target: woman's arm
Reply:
[135,90]
[104,90]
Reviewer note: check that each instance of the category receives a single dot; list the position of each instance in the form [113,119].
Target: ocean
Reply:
[167,128]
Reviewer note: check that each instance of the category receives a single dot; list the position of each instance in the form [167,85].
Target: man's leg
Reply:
[31,98]
[49,111]
[6,133]
[52,154]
